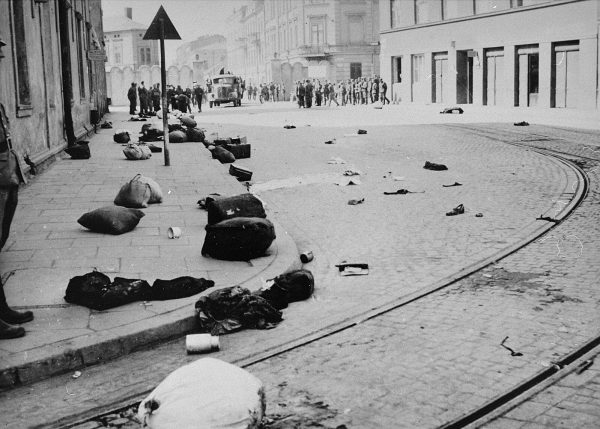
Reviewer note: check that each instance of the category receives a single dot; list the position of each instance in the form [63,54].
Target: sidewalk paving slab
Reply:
[47,247]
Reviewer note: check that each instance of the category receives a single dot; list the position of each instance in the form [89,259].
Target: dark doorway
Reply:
[464,76]
[355,70]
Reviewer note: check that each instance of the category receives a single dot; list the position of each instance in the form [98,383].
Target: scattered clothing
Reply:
[456,210]
[433,166]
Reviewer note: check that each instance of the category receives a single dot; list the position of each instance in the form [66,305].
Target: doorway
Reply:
[494,71]
[565,85]
[440,77]
[464,76]
[528,73]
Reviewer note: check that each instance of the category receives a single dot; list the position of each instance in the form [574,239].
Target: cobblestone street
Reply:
[388,349]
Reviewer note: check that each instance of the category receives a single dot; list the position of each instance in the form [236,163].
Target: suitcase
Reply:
[244,205]
[238,239]
[242,173]
[239,140]
[239,150]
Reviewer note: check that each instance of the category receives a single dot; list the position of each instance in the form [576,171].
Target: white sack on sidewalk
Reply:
[207,393]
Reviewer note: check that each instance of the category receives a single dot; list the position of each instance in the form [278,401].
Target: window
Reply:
[428,11]
[457,9]
[486,6]
[356,29]
[317,31]
[20,49]
[402,13]
[397,69]
[145,56]
[118,52]
[80,55]
[516,3]
[417,67]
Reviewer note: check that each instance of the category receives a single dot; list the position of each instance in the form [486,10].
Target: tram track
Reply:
[473,416]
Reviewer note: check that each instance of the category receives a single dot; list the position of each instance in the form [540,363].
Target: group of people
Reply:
[177,98]
[267,92]
[361,90]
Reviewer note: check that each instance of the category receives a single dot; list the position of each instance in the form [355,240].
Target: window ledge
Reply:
[24,111]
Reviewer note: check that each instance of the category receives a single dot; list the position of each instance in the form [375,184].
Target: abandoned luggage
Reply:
[177,136]
[195,135]
[134,194]
[239,150]
[233,308]
[135,152]
[121,137]
[223,155]
[241,173]
[239,140]
[238,239]
[111,219]
[207,393]
[188,122]
[180,287]
[433,166]
[80,150]
[289,287]
[244,205]
[156,195]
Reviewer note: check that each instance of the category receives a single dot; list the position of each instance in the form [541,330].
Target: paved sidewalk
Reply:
[47,247]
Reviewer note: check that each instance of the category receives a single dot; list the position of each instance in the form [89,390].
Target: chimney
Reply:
[129,12]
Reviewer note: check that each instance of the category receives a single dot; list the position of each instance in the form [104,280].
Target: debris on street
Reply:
[201,343]
[403,192]
[433,166]
[453,110]
[521,124]
[460,209]
[349,181]
[352,172]
[512,352]
[353,269]
[547,218]
[306,257]
[354,202]
[79,150]
[241,173]
[336,160]
[454,184]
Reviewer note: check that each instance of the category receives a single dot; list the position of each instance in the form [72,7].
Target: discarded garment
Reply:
[234,308]
[403,192]
[289,127]
[433,166]
[456,210]
[351,172]
[354,202]
[353,269]
[453,110]
[95,290]
[454,184]
[521,124]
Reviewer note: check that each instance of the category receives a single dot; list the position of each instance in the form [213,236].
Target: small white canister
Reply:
[174,232]
[201,343]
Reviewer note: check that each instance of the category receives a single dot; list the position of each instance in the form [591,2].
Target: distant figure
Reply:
[132,96]
[143,95]
[156,95]
[199,94]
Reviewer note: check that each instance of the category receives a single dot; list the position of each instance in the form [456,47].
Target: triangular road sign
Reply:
[153,32]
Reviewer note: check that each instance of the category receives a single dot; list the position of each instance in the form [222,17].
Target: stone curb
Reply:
[69,355]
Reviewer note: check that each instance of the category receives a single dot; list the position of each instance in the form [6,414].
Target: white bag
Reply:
[207,393]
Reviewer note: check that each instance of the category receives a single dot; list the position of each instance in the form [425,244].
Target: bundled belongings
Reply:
[207,393]
[223,155]
[203,202]
[241,173]
[176,127]
[177,136]
[521,124]
[111,219]
[151,132]
[95,290]
[361,132]
[106,124]
[154,148]
[139,192]
[234,308]
[289,287]
[244,205]
[460,209]
[195,135]
[221,142]
[433,166]
[238,239]
[135,152]
[121,136]
[239,140]
[188,122]
[80,150]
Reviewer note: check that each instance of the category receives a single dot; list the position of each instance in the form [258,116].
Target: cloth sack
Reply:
[111,219]
[289,287]
[137,152]
[180,287]
[95,290]
[207,393]
[222,155]
[80,150]
[134,194]
[243,205]
[177,136]
[195,135]
[238,239]
[433,166]
[156,195]
[234,308]
[121,137]
[188,122]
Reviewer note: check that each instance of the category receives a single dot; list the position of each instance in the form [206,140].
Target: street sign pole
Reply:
[162,28]
[163,84]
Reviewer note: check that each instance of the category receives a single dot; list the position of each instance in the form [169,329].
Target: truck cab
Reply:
[226,88]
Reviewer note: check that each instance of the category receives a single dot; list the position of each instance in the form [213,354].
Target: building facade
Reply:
[206,56]
[49,80]
[289,40]
[523,53]
[130,58]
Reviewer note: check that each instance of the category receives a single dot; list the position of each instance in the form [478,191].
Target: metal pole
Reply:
[163,82]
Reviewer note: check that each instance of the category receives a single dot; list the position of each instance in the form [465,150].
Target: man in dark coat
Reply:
[199,94]
[143,95]
[9,196]
[308,94]
[132,96]
[300,92]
